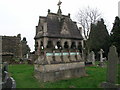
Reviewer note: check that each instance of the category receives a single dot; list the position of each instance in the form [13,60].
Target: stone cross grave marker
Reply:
[111,69]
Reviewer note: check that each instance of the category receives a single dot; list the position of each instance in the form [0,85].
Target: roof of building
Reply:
[57,26]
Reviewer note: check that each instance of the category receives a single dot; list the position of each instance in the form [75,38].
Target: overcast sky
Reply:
[21,16]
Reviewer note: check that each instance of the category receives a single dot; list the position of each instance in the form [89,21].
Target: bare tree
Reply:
[85,17]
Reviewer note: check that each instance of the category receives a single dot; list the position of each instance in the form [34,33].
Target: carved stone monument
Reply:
[58,44]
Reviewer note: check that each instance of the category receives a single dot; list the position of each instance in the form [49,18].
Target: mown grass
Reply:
[24,76]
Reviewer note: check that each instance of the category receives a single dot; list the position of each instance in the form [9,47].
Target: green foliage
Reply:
[23,74]
[115,34]
[99,37]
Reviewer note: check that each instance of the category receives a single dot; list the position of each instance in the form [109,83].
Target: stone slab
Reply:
[60,74]
[57,67]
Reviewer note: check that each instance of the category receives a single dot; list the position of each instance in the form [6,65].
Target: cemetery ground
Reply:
[24,76]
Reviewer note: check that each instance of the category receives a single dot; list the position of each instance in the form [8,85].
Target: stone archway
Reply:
[50,44]
[41,45]
[73,45]
[80,46]
[58,44]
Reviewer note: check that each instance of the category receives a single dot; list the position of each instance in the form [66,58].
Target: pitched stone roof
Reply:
[56,26]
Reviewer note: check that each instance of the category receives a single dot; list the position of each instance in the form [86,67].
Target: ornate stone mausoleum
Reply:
[58,45]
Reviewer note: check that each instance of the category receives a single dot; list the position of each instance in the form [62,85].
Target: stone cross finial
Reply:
[59,3]
[59,12]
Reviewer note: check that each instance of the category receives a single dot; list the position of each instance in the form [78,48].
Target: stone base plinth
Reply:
[55,72]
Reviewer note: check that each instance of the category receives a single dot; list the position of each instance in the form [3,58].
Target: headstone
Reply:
[5,76]
[112,65]
[88,58]
[10,83]
[101,63]
[93,57]
[101,55]
[5,66]
[111,69]
[13,83]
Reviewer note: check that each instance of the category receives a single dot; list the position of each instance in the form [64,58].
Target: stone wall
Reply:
[14,47]
[11,44]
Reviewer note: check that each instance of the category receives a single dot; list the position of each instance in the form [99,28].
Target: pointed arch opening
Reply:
[50,44]
[73,45]
[59,45]
[66,46]
[80,46]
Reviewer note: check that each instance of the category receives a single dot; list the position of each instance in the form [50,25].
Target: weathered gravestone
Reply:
[10,83]
[101,63]
[101,55]
[91,57]
[5,76]
[111,69]
[5,66]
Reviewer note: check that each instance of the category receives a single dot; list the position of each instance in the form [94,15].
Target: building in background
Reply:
[14,48]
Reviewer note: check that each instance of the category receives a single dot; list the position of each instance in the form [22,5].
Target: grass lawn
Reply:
[24,76]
